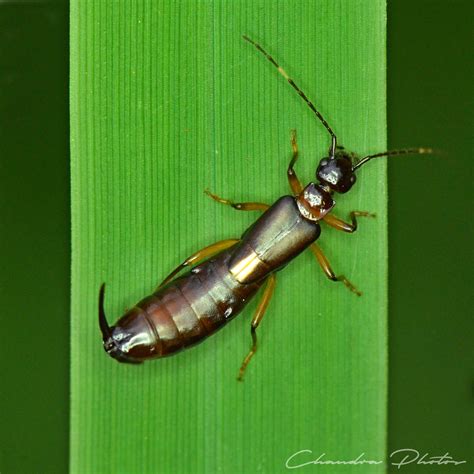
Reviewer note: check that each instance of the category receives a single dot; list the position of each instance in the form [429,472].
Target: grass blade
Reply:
[167,100]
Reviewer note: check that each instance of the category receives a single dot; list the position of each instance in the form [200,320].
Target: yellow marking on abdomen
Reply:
[243,269]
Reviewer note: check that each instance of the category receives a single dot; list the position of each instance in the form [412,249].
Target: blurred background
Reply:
[431,385]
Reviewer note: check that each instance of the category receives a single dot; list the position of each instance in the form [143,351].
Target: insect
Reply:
[186,309]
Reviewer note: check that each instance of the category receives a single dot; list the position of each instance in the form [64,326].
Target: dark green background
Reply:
[430,233]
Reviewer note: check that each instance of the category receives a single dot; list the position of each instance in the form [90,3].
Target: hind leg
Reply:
[260,311]
[199,256]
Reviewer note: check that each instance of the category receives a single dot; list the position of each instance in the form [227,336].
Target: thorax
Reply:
[278,236]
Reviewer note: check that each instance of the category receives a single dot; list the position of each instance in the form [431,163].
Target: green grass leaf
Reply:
[167,100]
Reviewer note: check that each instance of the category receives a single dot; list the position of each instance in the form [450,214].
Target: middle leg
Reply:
[328,271]
[240,206]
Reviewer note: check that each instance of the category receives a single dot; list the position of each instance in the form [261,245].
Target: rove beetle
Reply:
[185,310]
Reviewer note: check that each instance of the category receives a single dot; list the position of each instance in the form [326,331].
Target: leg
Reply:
[261,308]
[240,206]
[198,256]
[339,224]
[325,265]
[295,184]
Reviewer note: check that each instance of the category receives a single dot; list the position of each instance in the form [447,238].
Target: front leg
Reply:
[295,183]
[339,224]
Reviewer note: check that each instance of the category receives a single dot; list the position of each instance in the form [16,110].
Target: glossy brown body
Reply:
[198,303]
[187,309]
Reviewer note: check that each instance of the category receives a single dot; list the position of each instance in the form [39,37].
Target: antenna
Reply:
[300,92]
[404,151]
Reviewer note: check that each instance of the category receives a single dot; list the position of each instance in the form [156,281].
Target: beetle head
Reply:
[337,172]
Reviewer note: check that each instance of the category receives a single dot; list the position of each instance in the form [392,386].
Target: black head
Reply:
[337,173]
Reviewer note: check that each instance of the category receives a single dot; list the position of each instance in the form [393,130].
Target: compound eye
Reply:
[346,184]
[323,162]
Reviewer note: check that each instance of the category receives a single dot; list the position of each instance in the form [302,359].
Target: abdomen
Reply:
[195,305]
[188,309]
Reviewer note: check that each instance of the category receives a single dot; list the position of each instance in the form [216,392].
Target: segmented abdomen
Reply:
[193,306]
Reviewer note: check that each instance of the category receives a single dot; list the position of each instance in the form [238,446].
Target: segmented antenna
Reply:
[300,92]
[405,151]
